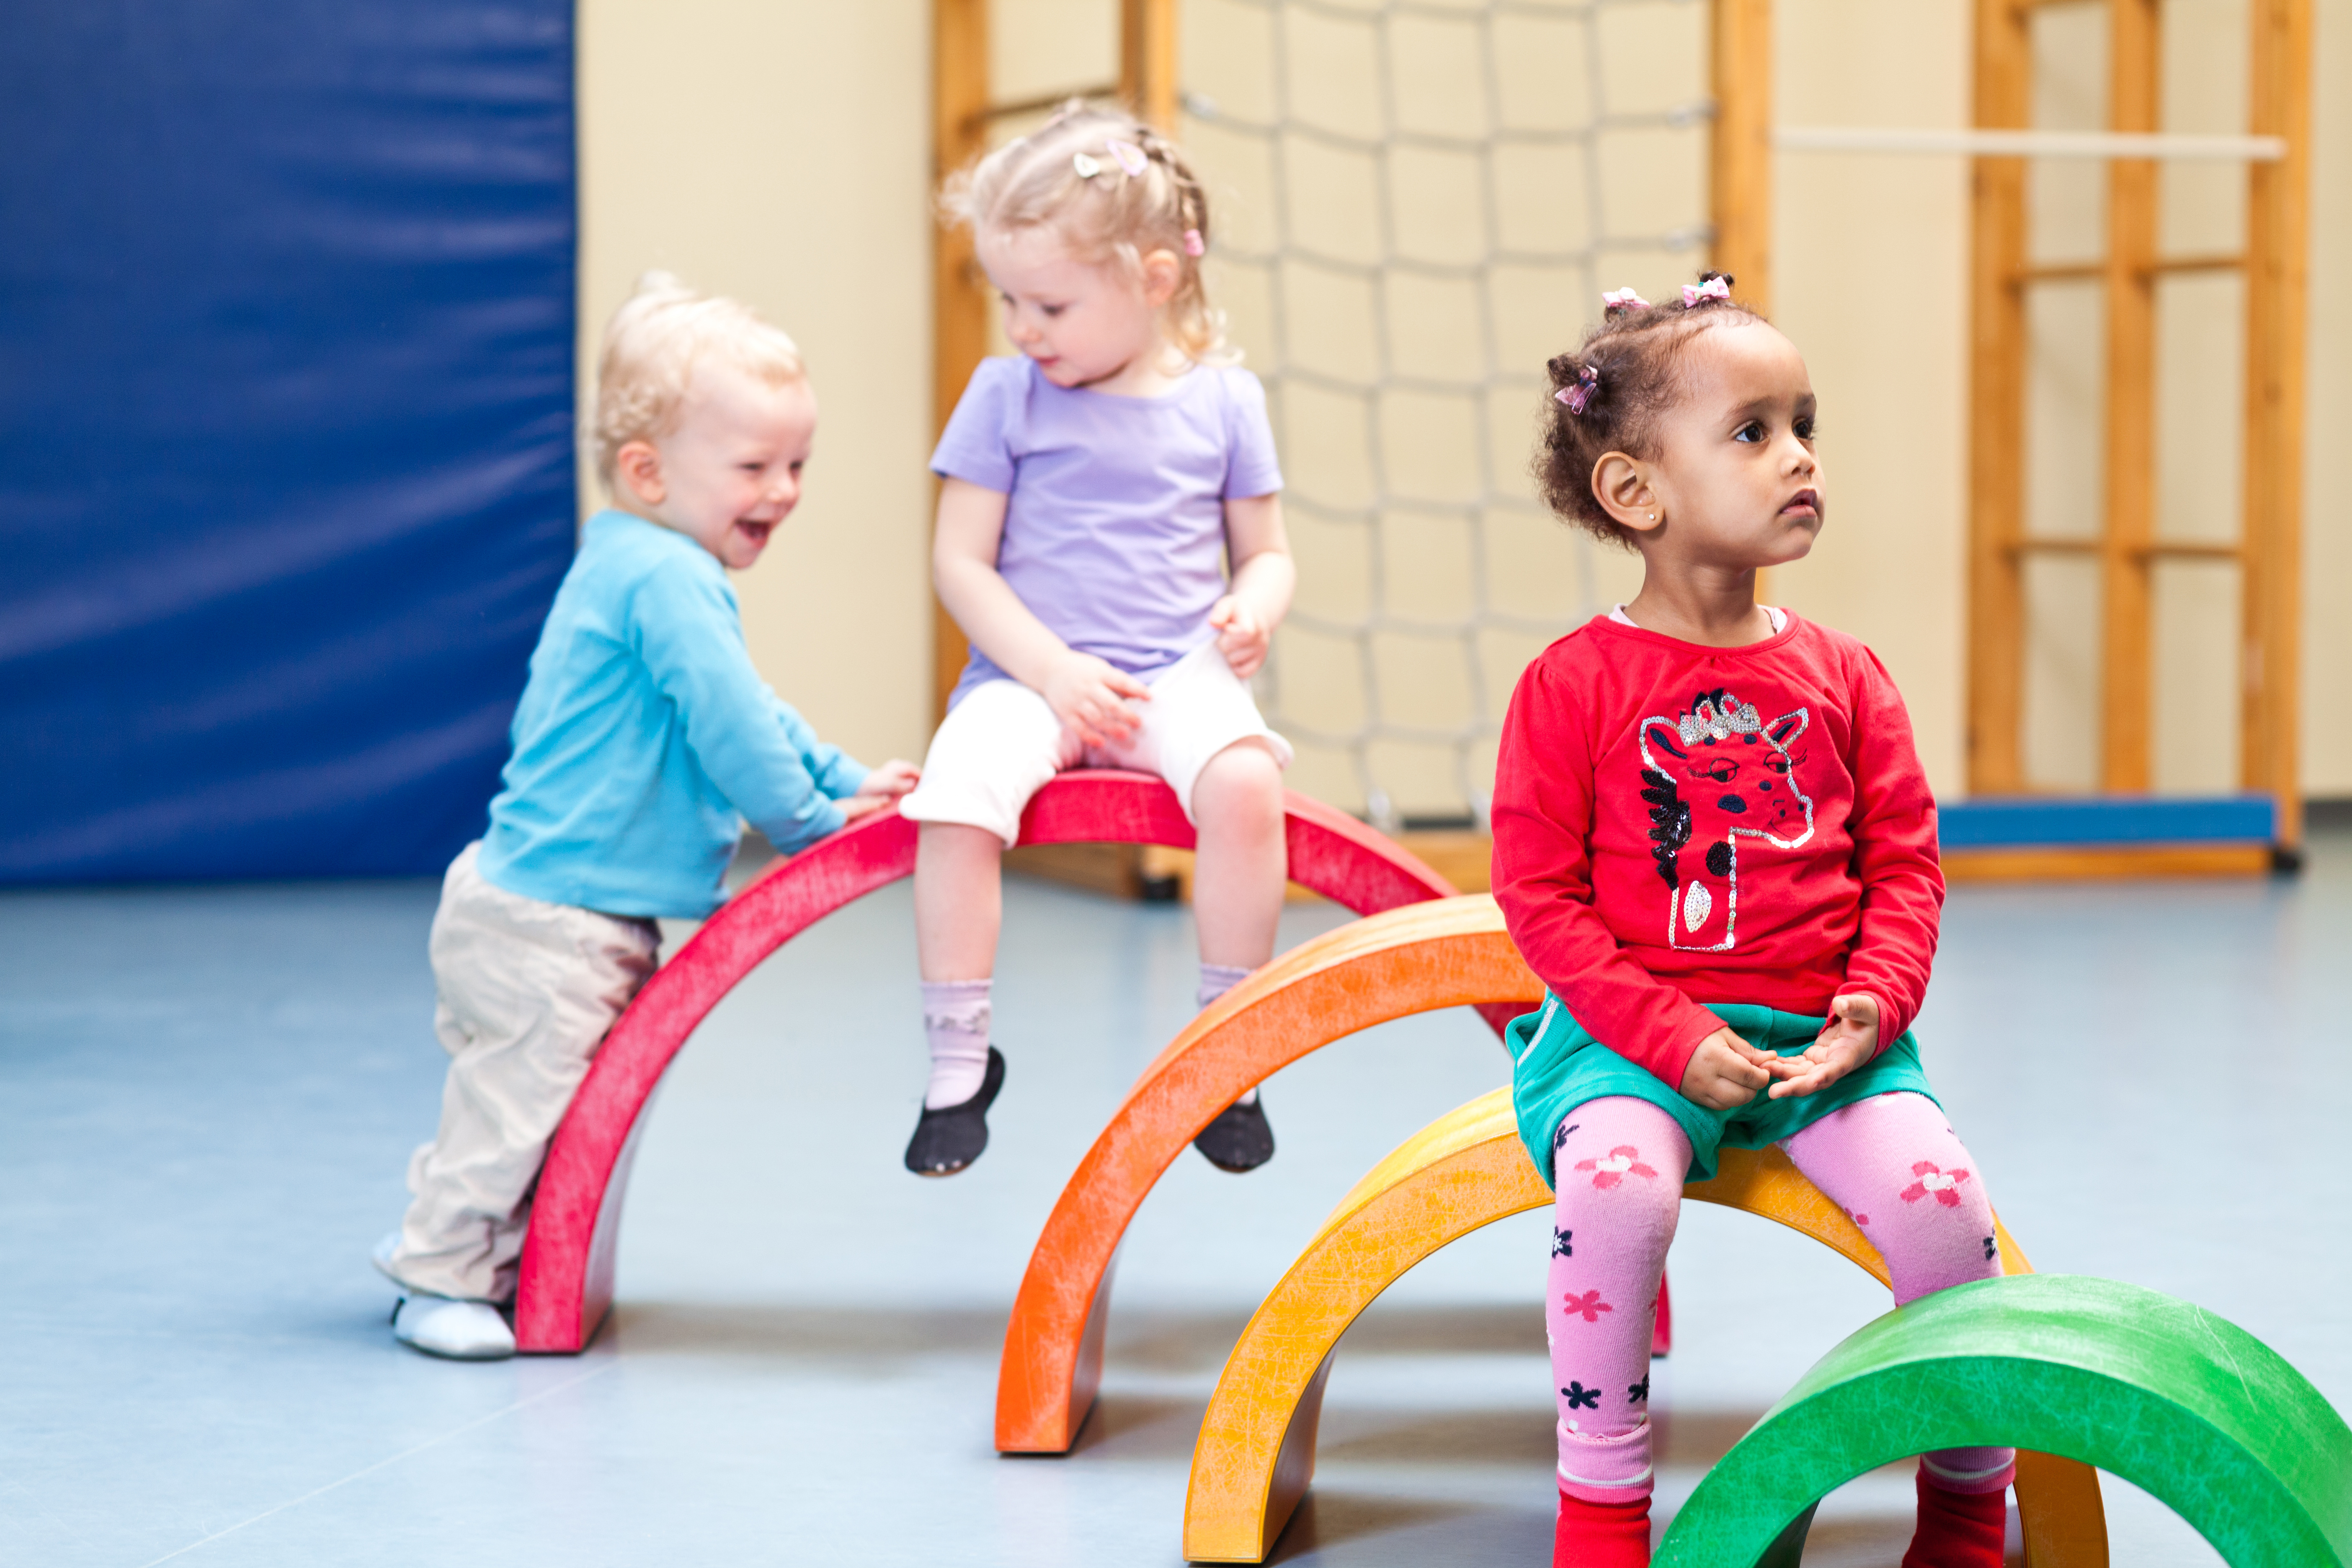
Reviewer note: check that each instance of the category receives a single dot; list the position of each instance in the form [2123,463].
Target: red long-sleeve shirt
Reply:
[1677,825]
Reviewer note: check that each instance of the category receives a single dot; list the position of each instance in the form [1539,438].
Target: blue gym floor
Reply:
[207,1095]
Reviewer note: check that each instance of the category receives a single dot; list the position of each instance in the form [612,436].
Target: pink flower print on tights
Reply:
[1622,1160]
[1588,1306]
[1944,1184]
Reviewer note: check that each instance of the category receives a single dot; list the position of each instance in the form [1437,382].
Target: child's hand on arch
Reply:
[1090,695]
[1242,637]
[1848,1040]
[1726,1072]
[880,787]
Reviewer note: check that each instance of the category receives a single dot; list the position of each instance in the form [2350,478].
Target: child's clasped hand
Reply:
[1849,1039]
[1727,1072]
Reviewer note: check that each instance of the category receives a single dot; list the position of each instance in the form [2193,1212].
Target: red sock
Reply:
[1958,1530]
[1602,1534]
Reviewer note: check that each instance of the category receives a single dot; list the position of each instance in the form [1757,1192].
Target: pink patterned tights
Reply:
[1891,1162]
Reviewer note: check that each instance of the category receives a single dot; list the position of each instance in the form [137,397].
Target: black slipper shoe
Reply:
[948,1139]
[1238,1140]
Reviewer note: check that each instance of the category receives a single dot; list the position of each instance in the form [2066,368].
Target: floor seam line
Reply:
[409,1452]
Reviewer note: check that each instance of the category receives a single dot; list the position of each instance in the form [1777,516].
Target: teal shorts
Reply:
[1557,1066]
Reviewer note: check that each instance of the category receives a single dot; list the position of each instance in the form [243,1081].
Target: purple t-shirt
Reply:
[1115,528]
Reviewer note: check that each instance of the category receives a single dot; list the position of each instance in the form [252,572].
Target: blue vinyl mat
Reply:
[286,413]
[2020,821]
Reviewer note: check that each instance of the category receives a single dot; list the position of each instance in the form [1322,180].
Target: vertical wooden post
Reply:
[1146,60]
[1739,167]
[958,305]
[2126,707]
[2277,252]
[2004,66]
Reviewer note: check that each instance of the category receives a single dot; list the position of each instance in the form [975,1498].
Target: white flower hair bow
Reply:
[1623,300]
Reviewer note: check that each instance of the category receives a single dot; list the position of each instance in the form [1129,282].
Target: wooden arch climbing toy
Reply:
[566,1280]
[1255,1454]
[1444,955]
[2192,1409]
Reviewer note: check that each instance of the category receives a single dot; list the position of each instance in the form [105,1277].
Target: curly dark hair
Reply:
[1627,366]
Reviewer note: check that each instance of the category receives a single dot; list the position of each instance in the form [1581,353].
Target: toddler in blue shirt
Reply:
[643,740]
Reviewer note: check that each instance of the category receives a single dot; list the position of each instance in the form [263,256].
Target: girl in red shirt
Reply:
[1714,842]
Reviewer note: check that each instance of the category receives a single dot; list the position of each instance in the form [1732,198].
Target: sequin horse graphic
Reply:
[1714,775]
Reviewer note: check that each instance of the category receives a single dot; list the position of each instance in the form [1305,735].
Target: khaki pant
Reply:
[526,993]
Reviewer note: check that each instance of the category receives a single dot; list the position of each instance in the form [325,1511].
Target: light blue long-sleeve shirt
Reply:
[645,738]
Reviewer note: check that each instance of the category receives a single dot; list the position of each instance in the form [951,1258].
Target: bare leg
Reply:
[1242,864]
[1237,882]
[959,901]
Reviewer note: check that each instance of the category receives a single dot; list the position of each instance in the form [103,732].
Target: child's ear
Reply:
[1622,485]
[1162,272]
[637,466]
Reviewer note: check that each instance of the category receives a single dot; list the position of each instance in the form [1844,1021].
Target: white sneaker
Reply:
[441,1325]
[458,1330]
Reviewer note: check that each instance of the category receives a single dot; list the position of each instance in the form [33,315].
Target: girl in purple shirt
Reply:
[1092,491]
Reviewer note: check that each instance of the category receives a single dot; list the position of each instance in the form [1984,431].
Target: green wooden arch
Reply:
[2191,1409]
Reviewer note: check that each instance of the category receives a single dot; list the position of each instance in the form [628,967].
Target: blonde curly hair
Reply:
[662,331]
[1112,214]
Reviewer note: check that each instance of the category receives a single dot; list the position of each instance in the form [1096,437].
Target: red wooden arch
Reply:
[566,1283]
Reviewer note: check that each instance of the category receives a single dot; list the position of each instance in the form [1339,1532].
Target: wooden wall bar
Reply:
[2270,549]
[1740,166]
[2127,709]
[959,103]
[1997,410]
[2278,245]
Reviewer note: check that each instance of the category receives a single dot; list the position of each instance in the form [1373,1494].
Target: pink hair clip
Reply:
[1194,243]
[1087,168]
[1130,157]
[1587,382]
[1713,289]
[1623,300]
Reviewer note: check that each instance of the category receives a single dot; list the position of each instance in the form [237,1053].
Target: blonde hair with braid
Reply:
[1110,216]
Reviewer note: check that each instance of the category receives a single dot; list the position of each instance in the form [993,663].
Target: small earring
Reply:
[1653,517]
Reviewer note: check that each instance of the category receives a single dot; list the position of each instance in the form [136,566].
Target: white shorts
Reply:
[1002,742]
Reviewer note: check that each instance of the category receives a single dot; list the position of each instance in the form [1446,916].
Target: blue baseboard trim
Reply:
[2015,821]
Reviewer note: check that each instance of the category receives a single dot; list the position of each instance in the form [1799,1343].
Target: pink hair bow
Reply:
[1623,300]
[1587,382]
[1713,289]
[1130,157]
[1194,246]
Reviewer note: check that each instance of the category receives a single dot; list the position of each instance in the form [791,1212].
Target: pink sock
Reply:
[1894,1162]
[955,1024]
[1617,1168]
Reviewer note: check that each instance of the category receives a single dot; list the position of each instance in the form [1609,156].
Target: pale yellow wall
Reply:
[779,152]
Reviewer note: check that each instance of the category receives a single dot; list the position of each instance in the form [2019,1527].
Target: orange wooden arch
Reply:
[1448,953]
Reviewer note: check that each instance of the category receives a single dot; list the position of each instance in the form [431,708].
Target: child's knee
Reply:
[1239,786]
[1620,1161]
[1894,1162]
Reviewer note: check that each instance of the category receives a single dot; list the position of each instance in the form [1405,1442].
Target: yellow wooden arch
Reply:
[1255,1454]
